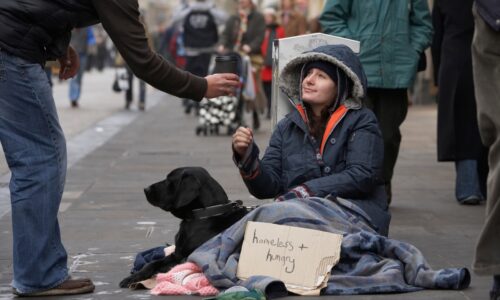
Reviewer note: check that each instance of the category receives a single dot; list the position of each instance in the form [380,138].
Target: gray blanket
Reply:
[369,263]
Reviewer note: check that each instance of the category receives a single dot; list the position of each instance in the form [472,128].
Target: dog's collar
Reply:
[214,210]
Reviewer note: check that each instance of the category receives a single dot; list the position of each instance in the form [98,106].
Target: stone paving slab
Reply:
[105,219]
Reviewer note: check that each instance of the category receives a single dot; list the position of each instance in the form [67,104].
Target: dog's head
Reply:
[186,189]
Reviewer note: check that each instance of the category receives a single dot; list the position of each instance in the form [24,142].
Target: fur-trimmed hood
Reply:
[341,56]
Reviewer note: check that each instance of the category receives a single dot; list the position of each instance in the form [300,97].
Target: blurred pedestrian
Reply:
[200,32]
[393,34]
[244,33]
[129,92]
[273,31]
[486,66]
[101,51]
[81,39]
[457,132]
[292,21]
[171,45]
[30,133]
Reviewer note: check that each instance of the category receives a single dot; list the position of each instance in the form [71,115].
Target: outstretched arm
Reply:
[262,178]
[120,18]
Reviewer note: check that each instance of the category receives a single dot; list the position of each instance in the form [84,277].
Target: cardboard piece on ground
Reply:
[145,284]
[301,258]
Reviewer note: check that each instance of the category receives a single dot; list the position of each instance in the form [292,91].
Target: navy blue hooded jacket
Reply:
[350,164]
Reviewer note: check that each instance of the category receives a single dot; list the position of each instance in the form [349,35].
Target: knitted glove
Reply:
[298,192]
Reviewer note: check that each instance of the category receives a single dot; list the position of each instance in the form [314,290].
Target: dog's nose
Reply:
[147,191]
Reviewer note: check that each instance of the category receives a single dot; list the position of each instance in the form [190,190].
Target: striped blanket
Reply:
[369,263]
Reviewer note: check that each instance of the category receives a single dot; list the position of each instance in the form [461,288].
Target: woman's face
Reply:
[286,4]
[318,90]
[245,4]
[269,18]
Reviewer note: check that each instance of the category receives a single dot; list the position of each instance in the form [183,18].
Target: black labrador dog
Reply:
[190,194]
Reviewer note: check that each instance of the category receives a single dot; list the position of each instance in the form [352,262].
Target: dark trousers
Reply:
[390,107]
[198,65]
[129,94]
[485,58]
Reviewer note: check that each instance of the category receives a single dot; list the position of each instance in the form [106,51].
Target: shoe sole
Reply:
[470,201]
[58,292]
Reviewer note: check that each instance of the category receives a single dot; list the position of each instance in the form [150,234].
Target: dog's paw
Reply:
[125,283]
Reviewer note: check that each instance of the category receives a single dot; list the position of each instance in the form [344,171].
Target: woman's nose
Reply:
[309,79]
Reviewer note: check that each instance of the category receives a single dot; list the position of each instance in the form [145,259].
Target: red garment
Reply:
[267,71]
[180,61]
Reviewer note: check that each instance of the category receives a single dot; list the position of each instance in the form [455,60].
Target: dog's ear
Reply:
[187,191]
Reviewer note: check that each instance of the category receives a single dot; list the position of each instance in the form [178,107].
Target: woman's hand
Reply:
[69,64]
[298,192]
[242,139]
[223,84]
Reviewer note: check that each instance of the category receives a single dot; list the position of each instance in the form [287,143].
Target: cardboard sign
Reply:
[301,258]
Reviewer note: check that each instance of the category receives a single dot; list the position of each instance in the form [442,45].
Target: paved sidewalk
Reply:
[97,102]
[106,220]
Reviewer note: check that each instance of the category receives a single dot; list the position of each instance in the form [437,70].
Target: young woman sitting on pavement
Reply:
[330,146]
[324,162]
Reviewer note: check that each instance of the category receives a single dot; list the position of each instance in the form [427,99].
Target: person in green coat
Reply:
[393,35]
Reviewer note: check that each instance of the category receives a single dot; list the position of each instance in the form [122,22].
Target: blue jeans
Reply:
[75,85]
[467,180]
[35,150]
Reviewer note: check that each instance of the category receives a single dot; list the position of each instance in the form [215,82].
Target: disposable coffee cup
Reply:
[226,64]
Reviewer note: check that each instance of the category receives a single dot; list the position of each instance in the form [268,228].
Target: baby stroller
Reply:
[224,111]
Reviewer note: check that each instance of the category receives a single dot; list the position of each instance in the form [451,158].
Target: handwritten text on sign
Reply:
[297,256]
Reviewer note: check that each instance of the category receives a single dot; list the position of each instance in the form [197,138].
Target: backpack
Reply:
[200,29]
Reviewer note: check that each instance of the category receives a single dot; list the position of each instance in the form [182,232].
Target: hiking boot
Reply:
[69,287]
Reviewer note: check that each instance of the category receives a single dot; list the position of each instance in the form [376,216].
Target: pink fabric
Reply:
[169,250]
[183,279]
